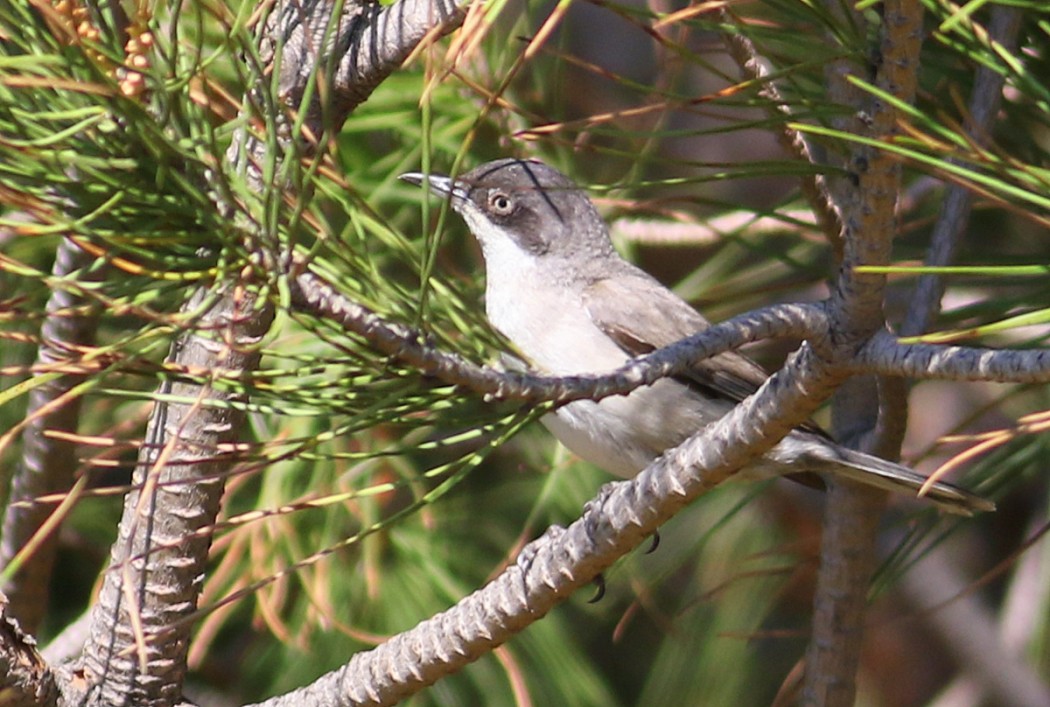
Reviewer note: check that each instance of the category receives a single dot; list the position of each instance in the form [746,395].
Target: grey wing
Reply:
[641,315]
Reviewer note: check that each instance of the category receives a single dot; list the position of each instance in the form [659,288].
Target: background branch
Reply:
[867,203]
[48,462]
[954,215]
[968,632]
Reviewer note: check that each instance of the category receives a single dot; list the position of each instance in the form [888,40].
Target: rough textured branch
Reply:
[27,681]
[311,294]
[885,355]
[154,579]
[355,51]
[814,187]
[867,203]
[551,568]
[157,562]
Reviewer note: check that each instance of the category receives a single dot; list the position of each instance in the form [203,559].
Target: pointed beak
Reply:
[439,185]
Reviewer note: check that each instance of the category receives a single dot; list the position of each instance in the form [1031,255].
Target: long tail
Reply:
[882,474]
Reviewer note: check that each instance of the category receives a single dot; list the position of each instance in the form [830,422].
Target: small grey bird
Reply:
[558,289]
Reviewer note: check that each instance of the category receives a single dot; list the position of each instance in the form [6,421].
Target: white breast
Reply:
[543,315]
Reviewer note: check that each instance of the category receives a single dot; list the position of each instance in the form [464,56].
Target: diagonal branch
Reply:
[562,560]
[311,294]
[350,54]
[814,187]
[966,630]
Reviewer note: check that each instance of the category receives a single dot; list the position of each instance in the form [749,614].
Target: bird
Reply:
[556,287]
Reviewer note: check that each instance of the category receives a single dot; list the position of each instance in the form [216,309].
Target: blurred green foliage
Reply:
[369,497]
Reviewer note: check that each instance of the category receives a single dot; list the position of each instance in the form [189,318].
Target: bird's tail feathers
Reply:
[879,473]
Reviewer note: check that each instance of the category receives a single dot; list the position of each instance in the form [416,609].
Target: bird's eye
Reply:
[500,204]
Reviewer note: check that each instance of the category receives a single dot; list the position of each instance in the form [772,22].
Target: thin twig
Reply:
[954,215]
[311,294]
[814,187]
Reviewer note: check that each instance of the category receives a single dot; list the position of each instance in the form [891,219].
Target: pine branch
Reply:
[27,680]
[157,565]
[47,461]
[884,355]
[947,232]
[356,50]
[814,187]
[548,570]
[867,204]
[311,294]
[967,631]
[323,66]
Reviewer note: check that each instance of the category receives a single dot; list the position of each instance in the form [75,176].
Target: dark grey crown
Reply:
[537,205]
